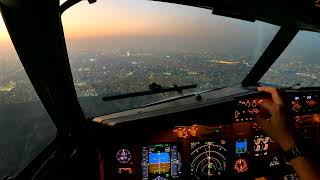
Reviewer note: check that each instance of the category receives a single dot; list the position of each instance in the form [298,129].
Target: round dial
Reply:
[241,166]
[123,156]
[208,159]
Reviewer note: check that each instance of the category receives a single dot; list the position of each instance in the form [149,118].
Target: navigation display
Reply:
[208,159]
[160,161]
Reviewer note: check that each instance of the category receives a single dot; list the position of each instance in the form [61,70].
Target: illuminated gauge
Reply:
[159,178]
[261,145]
[123,156]
[240,166]
[207,159]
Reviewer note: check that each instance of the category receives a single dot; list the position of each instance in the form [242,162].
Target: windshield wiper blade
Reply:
[169,100]
[196,94]
[153,89]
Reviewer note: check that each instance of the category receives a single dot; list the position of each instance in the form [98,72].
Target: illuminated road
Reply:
[10,75]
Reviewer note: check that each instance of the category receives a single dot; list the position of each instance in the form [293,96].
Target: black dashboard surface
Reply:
[217,141]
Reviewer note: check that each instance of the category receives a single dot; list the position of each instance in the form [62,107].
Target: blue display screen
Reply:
[156,158]
[241,146]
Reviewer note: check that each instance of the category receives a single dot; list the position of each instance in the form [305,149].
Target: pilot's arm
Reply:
[278,128]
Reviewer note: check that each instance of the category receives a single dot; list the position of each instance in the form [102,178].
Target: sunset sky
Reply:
[142,17]
[136,18]
[132,17]
[128,17]
[3,32]
[150,18]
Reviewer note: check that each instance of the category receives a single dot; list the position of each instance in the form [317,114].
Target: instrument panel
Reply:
[211,152]
[237,150]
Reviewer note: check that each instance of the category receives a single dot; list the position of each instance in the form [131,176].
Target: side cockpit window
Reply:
[25,126]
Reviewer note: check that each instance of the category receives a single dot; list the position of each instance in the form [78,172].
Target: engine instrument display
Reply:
[208,159]
[160,161]
[261,145]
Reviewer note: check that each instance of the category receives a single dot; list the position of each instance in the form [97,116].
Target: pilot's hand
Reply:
[276,123]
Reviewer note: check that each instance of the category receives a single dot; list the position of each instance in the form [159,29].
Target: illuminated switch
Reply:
[248,103]
[254,103]
[181,132]
[193,130]
[236,114]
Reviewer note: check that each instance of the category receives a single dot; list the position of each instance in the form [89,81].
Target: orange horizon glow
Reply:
[143,18]
[115,19]
[127,18]
[4,36]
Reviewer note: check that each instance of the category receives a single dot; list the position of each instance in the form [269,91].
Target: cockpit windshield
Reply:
[299,64]
[123,46]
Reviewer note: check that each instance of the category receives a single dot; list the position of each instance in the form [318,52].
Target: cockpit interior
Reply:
[207,139]
[169,113]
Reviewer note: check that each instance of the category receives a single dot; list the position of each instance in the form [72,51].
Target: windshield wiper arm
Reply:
[153,89]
